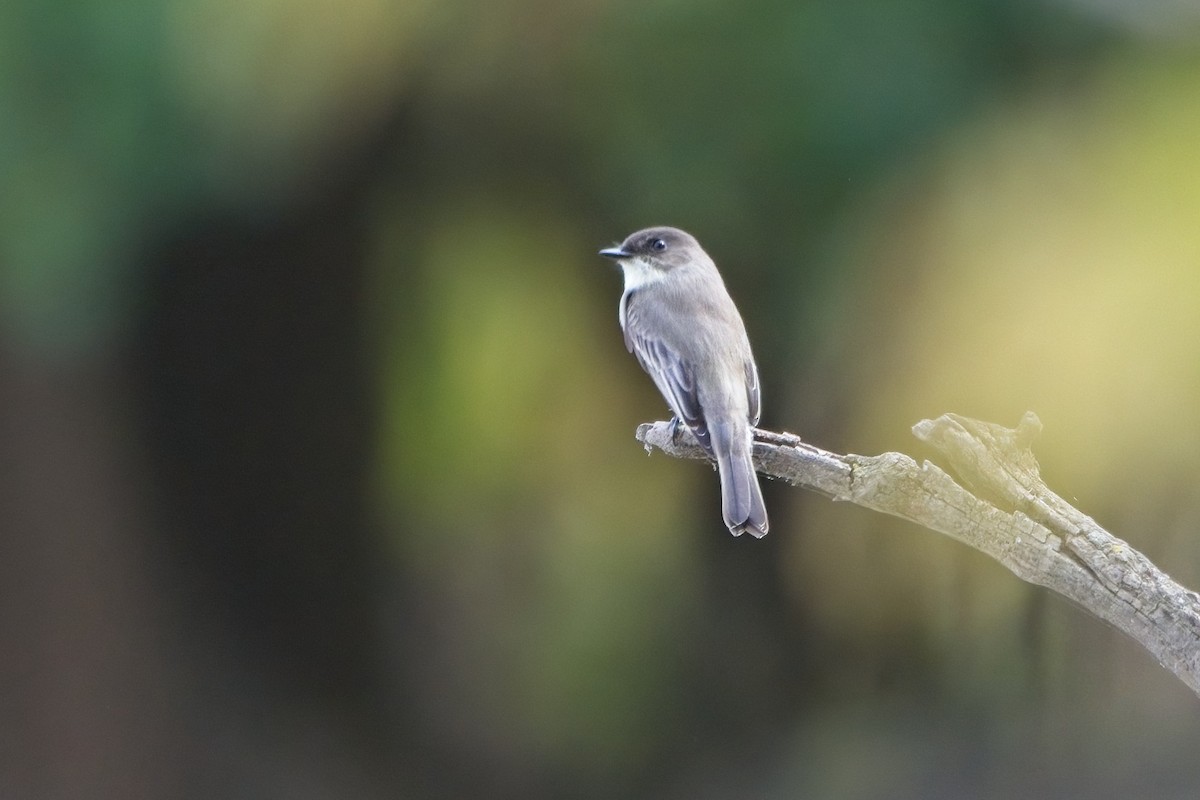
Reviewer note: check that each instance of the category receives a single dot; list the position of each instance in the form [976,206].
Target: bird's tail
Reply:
[741,498]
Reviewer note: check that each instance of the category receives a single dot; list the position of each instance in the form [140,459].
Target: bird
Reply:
[684,329]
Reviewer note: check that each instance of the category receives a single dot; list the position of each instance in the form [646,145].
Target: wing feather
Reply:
[674,377]
[752,392]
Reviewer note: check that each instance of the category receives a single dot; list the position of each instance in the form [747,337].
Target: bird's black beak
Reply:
[614,252]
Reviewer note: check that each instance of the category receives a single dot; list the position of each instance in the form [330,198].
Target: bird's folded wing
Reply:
[752,393]
[674,377]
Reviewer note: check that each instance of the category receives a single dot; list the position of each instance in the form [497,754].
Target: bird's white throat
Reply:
[639,273]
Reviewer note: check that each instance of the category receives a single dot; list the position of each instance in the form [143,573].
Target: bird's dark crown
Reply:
[661,245]
[656,241]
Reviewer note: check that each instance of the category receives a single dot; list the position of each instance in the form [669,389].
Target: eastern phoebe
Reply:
[682,325]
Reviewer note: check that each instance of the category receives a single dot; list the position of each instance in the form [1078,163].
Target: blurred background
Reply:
[317,468]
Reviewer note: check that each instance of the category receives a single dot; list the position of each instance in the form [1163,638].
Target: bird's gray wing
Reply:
[752,392]
[674,377]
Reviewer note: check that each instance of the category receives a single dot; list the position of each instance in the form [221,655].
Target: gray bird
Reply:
[687,334]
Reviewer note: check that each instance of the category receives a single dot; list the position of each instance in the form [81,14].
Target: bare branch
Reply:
[1002,508]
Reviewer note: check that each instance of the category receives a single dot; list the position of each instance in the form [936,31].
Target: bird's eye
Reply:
[659,244]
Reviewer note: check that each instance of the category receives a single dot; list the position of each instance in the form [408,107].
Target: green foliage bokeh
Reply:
[935,206]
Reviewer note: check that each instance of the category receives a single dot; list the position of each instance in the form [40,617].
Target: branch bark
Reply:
[999,506]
